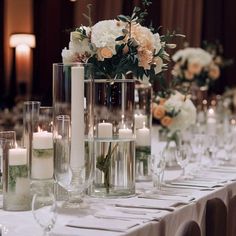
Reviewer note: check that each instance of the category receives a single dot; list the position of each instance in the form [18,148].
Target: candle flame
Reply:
[211,111]
[233,122]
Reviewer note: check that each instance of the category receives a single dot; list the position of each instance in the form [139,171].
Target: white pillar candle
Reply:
[77,117]
[139,120]
[105,130]
[125,133]
[42,166]
[42,140]
[17,156]
[143,137]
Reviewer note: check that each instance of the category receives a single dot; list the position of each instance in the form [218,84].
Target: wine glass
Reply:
[44,210]
[182,155]
[157,167]
[229,144]
[77,176]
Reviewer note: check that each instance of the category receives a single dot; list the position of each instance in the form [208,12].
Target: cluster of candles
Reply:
[105,130]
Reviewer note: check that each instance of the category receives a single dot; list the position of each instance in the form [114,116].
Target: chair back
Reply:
[231,222]
[216,217]
[190,228]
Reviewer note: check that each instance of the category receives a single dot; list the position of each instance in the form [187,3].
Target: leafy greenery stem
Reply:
[103,164]
[107,170]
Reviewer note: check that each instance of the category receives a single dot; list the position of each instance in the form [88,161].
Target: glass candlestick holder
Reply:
[73,97]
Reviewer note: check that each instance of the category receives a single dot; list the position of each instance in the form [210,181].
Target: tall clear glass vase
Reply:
[114,138]
[143,125]
[73,129]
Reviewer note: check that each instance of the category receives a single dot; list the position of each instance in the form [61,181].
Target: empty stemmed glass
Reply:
[44,209]
[157,168]
[182,154]
[229,144]
[75,179]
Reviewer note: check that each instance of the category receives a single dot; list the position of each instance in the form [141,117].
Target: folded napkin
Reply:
[184,187]
[113,214]
[147,204]
[196,183]
[178,199]
[91,222]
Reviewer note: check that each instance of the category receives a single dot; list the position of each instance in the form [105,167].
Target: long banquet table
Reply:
[167,223]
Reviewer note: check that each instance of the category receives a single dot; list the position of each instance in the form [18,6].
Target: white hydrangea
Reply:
[104,34]
[187,111]
[175,102]
[68,56]
[157,42]
[78,46]
[185,118]
[193,55]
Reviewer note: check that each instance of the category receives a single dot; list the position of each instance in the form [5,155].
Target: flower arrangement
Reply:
[194,64]
[116,47]
[175,113]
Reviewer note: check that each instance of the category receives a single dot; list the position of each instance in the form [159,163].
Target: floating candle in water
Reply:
[105,130]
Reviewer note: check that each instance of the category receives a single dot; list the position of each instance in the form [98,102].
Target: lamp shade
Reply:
[17,39]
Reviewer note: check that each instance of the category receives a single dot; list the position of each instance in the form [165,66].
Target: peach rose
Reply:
[153,106]
[194,68]
[159,111]
[166,121]
[188,75]
[145,58]
[214,72]
[162,101]
[106,52]
[125,49]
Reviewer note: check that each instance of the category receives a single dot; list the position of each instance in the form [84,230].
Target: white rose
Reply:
[104,34]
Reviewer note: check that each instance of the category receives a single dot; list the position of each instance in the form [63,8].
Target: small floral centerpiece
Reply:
[194,64]
[175,113]
[116,47]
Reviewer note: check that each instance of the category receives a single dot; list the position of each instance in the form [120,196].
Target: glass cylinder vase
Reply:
[143,125]
[16,182]
[114,138]
[73,98]
[38,139]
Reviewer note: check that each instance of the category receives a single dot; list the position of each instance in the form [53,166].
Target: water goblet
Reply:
[44,210]
[157,167]
[229,144]
[182,154]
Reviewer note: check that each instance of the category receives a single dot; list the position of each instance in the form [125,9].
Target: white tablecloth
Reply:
[23,223]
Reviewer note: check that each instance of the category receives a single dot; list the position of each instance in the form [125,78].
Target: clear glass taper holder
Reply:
[143,125]
[74,176]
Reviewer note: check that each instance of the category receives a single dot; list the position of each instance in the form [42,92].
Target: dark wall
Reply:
[51,19]
[219,22]
[2,74]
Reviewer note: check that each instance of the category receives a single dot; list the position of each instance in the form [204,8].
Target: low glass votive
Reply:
[38,139]
[16,182]
[11,137]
